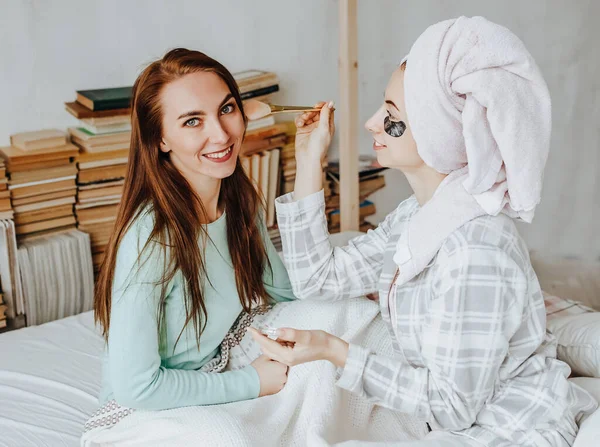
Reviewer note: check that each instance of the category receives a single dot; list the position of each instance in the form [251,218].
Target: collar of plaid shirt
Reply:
[450,208]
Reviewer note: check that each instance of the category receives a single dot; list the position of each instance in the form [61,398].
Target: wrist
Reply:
[337,351]
[307,160]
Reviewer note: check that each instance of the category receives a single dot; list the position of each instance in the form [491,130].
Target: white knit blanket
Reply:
[309,411]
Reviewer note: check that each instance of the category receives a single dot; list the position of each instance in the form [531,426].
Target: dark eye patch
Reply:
[393,128]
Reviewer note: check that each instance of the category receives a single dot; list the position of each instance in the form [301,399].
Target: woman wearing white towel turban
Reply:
[467,119]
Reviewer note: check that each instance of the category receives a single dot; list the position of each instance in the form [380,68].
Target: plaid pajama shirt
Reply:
[472,356]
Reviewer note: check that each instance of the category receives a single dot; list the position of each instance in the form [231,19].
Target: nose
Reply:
[217,134]
[375,123]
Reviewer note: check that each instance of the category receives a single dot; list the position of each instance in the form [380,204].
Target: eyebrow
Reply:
[389,101]
[201,112]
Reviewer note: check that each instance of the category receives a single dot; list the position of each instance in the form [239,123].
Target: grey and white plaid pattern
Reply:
[469,332]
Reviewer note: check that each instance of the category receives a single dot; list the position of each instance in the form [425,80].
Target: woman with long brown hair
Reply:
[189,250]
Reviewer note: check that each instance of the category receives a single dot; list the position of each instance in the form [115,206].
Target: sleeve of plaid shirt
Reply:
[475,310]
[318,270]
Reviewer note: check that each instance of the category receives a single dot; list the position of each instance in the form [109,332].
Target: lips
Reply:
[220,156]
[378,146]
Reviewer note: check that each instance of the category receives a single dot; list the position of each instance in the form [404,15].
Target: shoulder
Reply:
[403,212]
[138,233]
[490,242]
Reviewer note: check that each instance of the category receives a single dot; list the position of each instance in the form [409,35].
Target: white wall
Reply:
[48,49]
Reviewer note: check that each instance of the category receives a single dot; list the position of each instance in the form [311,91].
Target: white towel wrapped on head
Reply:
[478,108]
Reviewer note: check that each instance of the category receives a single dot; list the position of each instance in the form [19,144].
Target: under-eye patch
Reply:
[393,128]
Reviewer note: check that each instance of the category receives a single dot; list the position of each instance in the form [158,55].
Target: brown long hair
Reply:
[153,182]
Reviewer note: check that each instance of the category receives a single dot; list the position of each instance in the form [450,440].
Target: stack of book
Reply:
[103,134]
[257,84]
[286,176]
[3,308]
[57,276]
[41,182]
[288,163]
[371,179]
[13,309]
[45,278]
[288,166]
[260,152]
[260,159]
[6,211]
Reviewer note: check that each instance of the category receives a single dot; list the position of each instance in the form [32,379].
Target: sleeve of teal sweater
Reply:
[137,378]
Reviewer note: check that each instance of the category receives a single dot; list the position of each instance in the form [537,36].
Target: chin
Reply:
[382,159]
[229,172]
[224,171]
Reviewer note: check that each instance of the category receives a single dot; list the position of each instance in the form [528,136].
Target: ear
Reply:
[164,147]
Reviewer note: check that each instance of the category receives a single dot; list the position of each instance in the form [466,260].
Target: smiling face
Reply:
[202,125]
[393,140]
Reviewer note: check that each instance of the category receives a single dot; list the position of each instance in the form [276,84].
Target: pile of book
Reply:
[268,152]
[6,211]
[13,310]
[103,134]
[41,181]
[257,84]
[260,154]
[57,276]
[371,179]
[260,157]
[288,175]
[288,166]
[3,308]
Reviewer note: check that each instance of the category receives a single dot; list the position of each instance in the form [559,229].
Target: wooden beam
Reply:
[348,115]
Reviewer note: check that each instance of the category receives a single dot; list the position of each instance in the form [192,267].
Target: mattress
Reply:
[49,382]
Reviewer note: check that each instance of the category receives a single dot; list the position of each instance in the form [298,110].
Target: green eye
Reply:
[192,122]
[228,108]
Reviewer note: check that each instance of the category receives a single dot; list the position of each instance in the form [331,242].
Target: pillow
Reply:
[577,330]
[568,278]
[562,307]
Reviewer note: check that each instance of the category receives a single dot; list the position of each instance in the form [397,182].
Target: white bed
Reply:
[49,382]
[50,376]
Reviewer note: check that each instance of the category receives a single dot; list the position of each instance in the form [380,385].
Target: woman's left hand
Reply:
[294,347]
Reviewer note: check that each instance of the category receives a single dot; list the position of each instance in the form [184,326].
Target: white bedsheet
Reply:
[309,411]
[49,382]
[50,378]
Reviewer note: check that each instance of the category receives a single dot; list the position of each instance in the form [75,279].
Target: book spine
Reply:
[260,92]
[110,104]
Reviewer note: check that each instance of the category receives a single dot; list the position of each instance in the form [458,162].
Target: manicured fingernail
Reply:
[330,105]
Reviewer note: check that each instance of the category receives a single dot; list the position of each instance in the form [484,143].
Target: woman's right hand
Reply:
[314,132]
[272,375]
